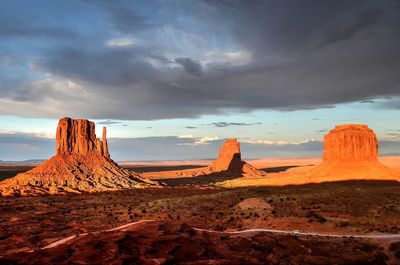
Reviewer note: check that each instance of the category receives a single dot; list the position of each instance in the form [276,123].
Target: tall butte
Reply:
[351,152]
[229,160]
[82,164]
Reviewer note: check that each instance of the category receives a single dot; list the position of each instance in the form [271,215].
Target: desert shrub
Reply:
[394,246]
[313,216]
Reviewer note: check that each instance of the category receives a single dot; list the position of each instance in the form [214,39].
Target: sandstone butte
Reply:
[228,164]
[350,152]
[82,164]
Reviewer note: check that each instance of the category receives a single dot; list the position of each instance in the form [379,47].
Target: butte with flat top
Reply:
[351,152]
[82,164]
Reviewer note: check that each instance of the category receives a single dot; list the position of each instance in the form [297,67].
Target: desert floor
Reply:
[177,211]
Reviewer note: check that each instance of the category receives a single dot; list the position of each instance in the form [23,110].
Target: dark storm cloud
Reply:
[363,19]
[243,55]
[123,17]
[367,101]
[190,66]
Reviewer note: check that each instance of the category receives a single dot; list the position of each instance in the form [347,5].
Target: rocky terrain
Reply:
[82,164]
[358,207]
[191,220]
[171,243]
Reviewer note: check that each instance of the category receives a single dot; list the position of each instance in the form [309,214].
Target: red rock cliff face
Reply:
[350,142]
[230,149]
[229,156]
[229,160]
[78,137]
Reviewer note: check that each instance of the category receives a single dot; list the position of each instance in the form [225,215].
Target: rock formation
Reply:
[79,137]
[351,142]
[82,164]
[229,159]
[351,152]
[228,165]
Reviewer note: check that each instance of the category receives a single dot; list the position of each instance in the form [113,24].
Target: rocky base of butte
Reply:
[82,164]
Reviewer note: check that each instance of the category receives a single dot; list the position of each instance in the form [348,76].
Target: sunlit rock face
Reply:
[79,137]
[351,152]
[228,165]
[82,164]
[229,157]
[350,142]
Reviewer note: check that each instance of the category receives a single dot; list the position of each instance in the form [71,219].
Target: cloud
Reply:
[269,142]
[341,32]
[108,122]
[367,101]
[227,124]
[124,17]
[217,58]
[120,43]
[190,66]
[206,140]
[25,146]
[279,55]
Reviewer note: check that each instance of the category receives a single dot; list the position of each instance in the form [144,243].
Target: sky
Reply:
[172,79]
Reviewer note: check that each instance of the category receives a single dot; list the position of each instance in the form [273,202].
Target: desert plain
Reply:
[81,207]
[173,215]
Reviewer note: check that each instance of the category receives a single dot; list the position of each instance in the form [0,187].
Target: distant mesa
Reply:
[82,164]
[350,142]
[351,152]
[229,164]
[229,160]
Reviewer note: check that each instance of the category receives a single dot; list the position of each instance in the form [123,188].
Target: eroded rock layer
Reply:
[350,142]
[79,137]
[82,164]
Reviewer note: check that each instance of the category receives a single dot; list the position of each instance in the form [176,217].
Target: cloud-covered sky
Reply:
[212,69]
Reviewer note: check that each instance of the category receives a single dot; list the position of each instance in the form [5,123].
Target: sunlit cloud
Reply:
[233,58]
[120,43]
